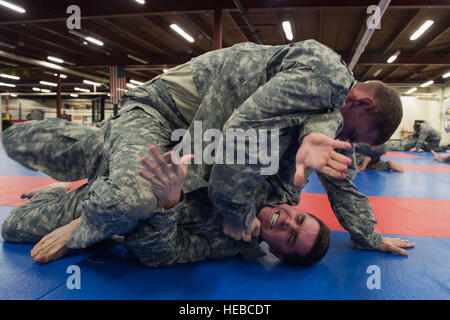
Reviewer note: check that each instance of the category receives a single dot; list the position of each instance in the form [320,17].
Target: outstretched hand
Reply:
[395,245]
[241,233]
[317,152]
[166,178]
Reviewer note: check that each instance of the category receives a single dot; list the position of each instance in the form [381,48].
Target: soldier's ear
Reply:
[366,103]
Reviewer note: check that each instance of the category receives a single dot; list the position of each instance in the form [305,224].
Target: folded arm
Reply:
[286,101]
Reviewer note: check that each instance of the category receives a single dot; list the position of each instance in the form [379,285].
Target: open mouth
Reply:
[274,220]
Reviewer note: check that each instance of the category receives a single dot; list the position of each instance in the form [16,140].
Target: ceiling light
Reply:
[51,65]
[411,90]
[393,57]
[12,6]
[445,76]
[73,95]
[9,76]
[7,84]
[36,89]
[11,46]
[81,89]
[54,59]
[131,86]
[45,83]
[181,32]
[92,83]
[9,64]
[165,70]
[45,90]
[136,82]
[137,59]
[421,30]
[426,84]
[287,30]
[63,76]
[377,72]
[93,40]
[13,95]
[140,1]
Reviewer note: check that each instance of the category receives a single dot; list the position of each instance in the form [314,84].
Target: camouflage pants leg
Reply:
[118,200]
[379,165]
[431,145]
[45,212]
[63,150]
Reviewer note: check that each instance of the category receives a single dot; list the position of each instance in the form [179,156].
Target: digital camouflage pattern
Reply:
[374,152]
[296,88]
[428,138]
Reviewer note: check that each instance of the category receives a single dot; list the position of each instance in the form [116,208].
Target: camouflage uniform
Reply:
[296,88]
[428,138]
[362,150]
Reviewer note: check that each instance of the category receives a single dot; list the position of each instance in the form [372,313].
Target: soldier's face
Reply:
[288,230]
[357,126]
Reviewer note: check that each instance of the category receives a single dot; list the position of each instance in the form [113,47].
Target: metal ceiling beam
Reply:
[419,59]
[39,38]
[56,10]
[164,60]
[50,66]
[236,26]
[159,24]
[199,25]
[383,4]
[218,29]
[119,30]
[247,20]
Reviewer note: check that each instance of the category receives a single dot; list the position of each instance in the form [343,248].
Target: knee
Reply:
[10,230]
[123,199]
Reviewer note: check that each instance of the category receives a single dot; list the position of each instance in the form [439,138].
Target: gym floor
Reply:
[414,205]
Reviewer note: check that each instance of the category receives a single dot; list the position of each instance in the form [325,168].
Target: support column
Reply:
[217,29]
[58,97]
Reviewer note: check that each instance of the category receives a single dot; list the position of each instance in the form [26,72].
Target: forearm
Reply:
[353,211]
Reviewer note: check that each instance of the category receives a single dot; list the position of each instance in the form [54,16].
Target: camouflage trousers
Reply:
[63,150]
[374,164]
[402,145]
[116,197]
[45,212]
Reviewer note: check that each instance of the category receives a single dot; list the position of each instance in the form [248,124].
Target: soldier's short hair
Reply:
[387,112]
[318,250]
[6,124]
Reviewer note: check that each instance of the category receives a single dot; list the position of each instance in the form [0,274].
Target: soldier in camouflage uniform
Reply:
[428,138]
[425,138]
[298,89]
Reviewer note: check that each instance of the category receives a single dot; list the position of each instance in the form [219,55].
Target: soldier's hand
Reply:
[241,233]
[317,152]
[395,245]
[166,178]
